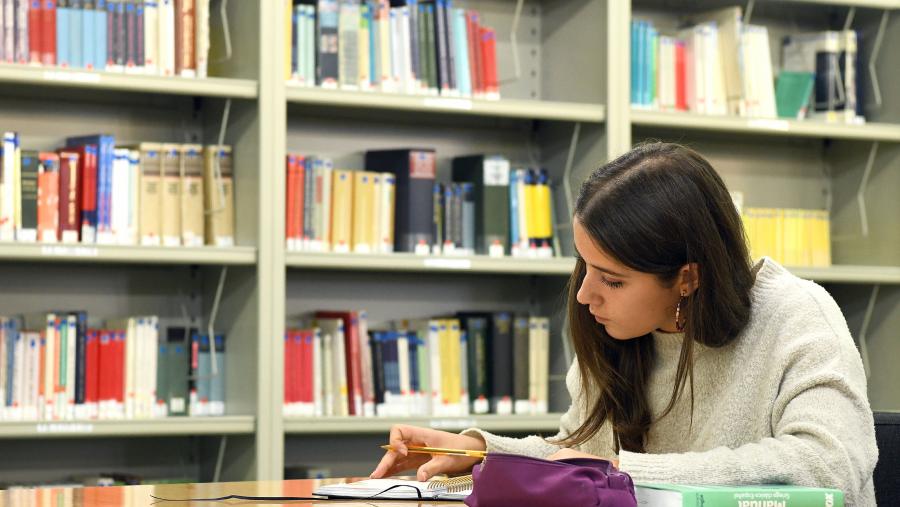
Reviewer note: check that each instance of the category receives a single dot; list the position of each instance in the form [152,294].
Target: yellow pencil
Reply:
[440,451]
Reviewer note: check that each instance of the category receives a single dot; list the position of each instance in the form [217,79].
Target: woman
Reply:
[692,365]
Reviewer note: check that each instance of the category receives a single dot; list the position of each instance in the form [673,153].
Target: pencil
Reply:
[440,451]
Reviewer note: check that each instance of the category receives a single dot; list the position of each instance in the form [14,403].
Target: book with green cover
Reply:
[679,495]
[792,94]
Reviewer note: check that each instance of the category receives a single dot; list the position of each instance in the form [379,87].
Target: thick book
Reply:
[170,220]
[69,209]
[414,170]
[218,188]
[47,198]
[327,27]
[149,229]
[477,327]
[28,225]
[490,177]
[672,495]
[192,220]
[185,64]
[401,489]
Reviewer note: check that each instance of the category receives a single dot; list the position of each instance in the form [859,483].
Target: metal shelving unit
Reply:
[382,425]
[170,426]
[109,81]
[45,252]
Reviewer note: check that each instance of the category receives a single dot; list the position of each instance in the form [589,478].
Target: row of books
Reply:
[793,237]
[396,204]
[722,65]
[53,367]
[161,37]
[92,191]
[407,46]
[470,363]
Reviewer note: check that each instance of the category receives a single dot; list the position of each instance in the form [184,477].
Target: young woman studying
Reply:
[693,366]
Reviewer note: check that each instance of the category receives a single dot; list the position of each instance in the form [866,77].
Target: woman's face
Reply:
[628,303]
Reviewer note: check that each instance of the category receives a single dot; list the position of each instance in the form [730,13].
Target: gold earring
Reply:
[679,324]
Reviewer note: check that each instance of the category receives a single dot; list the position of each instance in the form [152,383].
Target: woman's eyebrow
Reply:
[598,268]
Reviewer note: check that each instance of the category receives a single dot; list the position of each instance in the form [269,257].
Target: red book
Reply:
[119,358]
[302,381]
[288,353]
[473,31]
[680,90]
[48,33]
[105,365]
[353,359]
[491,86]
[35,48]
[87,190]
[48,198]
[289,199]
[92,367]
[69,203]
[299,205]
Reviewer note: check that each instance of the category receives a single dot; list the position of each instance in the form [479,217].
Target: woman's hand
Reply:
[572,453]
[428,466]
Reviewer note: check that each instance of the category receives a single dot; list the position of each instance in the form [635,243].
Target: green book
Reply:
[677,495]
[792,94]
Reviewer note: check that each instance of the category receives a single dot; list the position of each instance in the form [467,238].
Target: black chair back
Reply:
[887,471]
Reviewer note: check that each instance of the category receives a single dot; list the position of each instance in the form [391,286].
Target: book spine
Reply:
[29,218]
[201,35]
[88,34]
[151,36]
[23,53]
[75,20]
[35,32]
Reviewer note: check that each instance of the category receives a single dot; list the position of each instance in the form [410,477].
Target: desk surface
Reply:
[139,496]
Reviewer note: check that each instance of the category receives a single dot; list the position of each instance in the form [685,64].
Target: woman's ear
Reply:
[689,278]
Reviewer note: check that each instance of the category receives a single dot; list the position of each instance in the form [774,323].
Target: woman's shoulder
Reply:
[786,304]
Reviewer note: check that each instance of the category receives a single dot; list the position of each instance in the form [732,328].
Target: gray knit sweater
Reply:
[784,403]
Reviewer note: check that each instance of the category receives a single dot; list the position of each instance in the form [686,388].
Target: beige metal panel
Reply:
[430,264]
[573,45]
[107,254]
[362,425]
[531,109]
[62,79]
[776,127]
[173,426]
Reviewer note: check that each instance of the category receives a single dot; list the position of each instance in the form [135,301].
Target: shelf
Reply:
[361,425]
[42,252]
[69,78]
[422,263]
[874,4]
[171,426]
[505,108]
[850,274]
[765,126]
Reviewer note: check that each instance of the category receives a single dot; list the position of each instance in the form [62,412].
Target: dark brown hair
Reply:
[655,209]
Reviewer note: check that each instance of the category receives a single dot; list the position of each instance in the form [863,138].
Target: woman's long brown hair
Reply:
[656,209]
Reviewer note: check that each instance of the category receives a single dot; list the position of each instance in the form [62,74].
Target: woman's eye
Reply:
[611,284]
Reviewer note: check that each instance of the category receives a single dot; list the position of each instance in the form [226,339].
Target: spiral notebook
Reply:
[455,488]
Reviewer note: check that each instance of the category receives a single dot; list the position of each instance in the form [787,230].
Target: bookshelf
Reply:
[566,108]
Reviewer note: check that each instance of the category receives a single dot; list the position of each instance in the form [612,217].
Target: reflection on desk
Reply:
[139,496]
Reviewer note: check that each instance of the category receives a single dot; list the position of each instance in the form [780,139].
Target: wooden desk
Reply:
[139,496]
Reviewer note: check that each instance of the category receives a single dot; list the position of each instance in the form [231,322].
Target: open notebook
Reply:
[456,488]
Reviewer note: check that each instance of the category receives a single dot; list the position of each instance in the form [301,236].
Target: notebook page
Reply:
[372,487]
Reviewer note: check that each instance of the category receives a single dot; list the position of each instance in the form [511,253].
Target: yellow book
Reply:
[218,201]
[170,214]
[448,396]
[192,233]
[823,222]
[363,204]
[531,207]
[766,232]
[454,338]
[341,210]
[793,237]
[778,246]
[149,224]
[543,225]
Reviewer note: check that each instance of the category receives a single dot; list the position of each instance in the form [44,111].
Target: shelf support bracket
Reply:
[514,39]
[217,167]
[873,59]
[567,173]
[223,11]
[212,320]
[864,330]
[848,22]
[220,458]
[861,192]
[748,11]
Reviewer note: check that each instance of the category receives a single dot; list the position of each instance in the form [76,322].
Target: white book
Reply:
[201,37]
[310,45]
[386,213]
[402,343]
[433,343]
[18,376]
[166,53]
[50,354]
[318,390]
[408,81]
[533,360]
[71,323]
[7,188]
[543,366]
[365,348]
[151,36]
[383,19]
[33,371]
[348,35]
[3,366]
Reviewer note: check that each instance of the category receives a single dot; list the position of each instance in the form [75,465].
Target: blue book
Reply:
[88,34]
[460,40]
[110,33]
[373,38]
[76,51]
[100,35]
[634,61]
[295,38]
[105,146]
[62,34]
